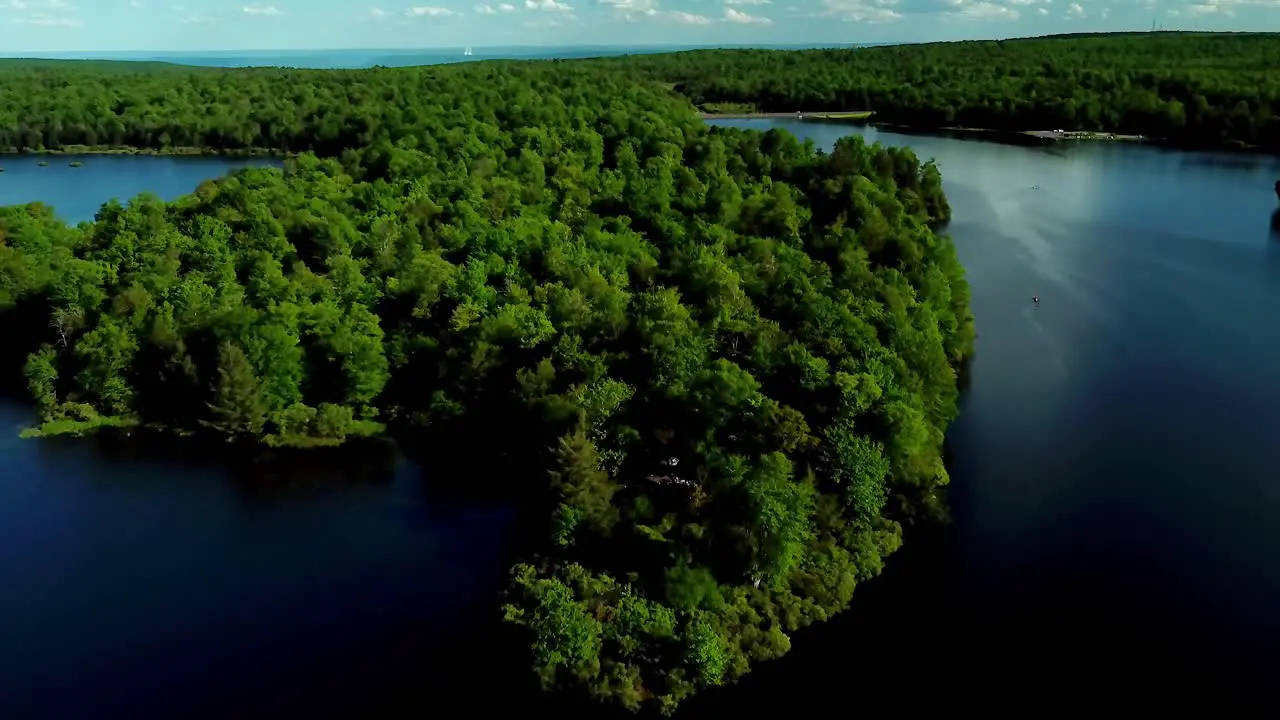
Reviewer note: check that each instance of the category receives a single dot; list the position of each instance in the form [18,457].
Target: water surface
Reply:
[76,193]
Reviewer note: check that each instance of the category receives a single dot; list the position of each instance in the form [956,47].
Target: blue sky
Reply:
[60,25]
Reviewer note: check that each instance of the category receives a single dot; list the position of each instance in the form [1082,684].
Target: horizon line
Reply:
[7,53]
[21,54]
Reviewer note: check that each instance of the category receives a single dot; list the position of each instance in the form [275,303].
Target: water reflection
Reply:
[259,473]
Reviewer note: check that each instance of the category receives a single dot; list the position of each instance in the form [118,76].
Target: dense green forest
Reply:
[1191,89]
[724,359]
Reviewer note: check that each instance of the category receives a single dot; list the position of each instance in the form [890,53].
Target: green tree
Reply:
[237,406]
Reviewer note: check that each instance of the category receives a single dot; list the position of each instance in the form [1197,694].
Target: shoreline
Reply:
[1047,136]
[68,150]
[851,115]
[864,115]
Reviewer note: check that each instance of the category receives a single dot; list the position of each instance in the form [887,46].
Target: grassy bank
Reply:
[79,419]
[78,426]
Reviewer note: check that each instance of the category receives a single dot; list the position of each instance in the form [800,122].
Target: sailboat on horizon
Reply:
[468,51]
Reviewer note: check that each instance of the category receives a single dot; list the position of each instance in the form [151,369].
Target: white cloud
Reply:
[633,9]
[1042,11]
[46,20]
[507,7]
[43,13]
[376,13]
[36,5]
[261,10]
[737,16]
[485,10]
[748,2]
[685,18]
[861,11]
[1223,7]
[135,3]
[1075,10]
[430,11]
[548,5]
[981,10]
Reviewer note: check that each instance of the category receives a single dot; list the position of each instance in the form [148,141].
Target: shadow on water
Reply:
[395,645]
[256,473]
[1275,225]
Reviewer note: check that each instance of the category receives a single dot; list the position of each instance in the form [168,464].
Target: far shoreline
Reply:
[1046,136]
[184,151]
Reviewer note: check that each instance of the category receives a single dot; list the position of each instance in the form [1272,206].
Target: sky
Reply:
[202,25]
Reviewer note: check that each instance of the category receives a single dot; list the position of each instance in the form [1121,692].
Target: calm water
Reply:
[1114,492]
[77,193]
[1116,475]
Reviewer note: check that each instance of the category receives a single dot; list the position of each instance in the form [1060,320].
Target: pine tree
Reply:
[237,407]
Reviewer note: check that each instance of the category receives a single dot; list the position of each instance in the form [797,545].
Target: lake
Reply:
[76,193]
[1114,490]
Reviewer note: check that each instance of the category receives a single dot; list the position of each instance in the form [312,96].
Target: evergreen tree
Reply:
[238,407]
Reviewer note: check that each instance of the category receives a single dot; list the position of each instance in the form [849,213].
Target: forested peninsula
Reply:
[724,360]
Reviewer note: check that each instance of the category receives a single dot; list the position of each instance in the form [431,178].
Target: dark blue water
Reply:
[1115,470]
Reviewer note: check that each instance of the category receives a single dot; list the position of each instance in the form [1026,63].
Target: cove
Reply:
[76,193]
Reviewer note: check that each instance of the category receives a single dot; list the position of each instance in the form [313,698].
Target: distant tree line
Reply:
[1194,89]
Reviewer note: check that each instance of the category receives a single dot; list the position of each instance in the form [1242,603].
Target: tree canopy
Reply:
[725,359]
